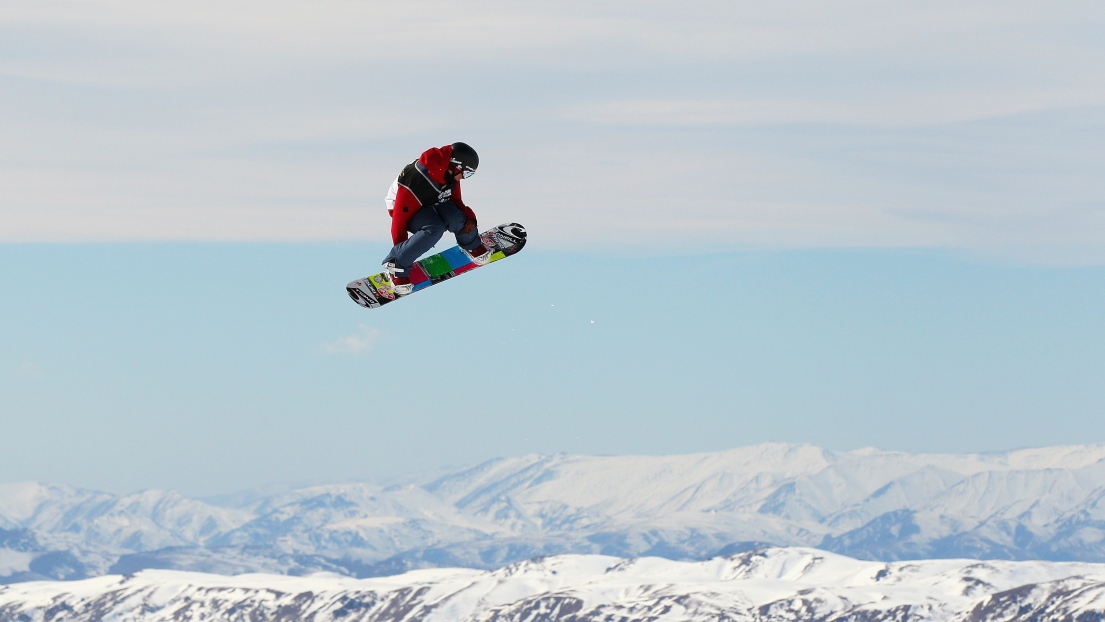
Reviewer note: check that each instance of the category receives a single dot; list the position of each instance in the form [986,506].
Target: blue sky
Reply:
[850,224]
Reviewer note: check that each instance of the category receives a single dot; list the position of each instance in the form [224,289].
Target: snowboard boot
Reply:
[479,255]
[400,284]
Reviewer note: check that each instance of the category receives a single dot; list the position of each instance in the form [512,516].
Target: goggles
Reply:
[465,170]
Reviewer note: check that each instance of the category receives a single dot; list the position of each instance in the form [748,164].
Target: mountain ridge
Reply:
[765,585]
[1039,503]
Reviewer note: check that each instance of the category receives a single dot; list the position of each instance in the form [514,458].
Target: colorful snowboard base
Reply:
[376,290]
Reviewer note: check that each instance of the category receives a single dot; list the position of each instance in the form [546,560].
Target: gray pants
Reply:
[426,228]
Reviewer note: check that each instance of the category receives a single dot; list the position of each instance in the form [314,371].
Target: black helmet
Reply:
[465,159]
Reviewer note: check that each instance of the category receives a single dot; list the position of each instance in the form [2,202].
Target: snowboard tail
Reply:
[377,290]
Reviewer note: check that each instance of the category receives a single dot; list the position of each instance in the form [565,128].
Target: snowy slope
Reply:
[1045,503]
[766,585]
[334,520]
[139,521]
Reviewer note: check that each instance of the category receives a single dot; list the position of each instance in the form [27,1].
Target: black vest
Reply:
[416,178]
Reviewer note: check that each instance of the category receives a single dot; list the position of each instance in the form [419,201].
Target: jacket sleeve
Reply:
[405,206]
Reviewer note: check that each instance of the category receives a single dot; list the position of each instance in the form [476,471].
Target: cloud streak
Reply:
[361,342]
[626,123]
[898,110]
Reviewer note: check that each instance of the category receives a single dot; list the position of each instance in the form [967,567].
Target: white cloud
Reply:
[144,42]
[363,341]
[637,123]
[29,371]
[885,110]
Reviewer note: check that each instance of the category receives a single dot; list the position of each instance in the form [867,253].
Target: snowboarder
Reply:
[425,202]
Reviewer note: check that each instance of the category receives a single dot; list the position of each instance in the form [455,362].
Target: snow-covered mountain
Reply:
[1046,503]
[144,520]
[768,585]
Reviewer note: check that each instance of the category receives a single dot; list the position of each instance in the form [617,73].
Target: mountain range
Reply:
[1030,504]
[766,585]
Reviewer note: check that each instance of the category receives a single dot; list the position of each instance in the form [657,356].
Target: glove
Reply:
[469,226]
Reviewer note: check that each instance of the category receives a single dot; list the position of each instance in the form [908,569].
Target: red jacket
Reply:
[428,180]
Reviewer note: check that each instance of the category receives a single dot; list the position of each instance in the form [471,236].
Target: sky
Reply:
[848,223]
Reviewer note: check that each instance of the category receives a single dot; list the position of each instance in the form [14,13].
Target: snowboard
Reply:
[376,290]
